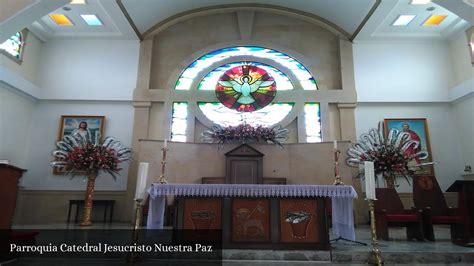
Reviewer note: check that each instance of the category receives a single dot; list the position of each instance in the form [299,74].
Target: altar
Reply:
[258,215]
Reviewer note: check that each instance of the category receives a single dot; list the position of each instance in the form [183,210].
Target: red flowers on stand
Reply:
[245,133]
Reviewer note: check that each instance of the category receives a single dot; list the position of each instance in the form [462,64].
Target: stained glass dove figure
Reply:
[246,88]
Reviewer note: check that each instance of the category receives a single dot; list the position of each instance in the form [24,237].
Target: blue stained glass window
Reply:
[267,116]
[179,121]
[306,80]
[13,45]
[312,120]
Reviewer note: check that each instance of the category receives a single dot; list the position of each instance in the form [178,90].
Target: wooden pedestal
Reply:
[9,177]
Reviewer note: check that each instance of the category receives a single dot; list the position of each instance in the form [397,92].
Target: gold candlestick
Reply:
[337,177]
[138,217]
[374,257]
[162,179]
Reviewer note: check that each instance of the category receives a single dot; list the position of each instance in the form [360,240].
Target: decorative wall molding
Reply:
[462,91]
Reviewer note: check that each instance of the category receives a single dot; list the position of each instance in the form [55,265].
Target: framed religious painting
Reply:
[417,128]
[85,125]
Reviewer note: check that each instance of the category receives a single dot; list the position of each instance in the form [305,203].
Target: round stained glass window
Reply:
[246,88]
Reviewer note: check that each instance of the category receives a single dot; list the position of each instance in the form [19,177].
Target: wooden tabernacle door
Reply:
[244,165]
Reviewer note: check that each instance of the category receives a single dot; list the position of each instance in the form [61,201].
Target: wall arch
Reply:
[196,55]
[312,18]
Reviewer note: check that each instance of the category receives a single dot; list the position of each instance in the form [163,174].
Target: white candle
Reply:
[141,180]
[369,180]
[166,143]
[335,145]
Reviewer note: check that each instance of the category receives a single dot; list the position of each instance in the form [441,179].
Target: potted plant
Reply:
[82,155]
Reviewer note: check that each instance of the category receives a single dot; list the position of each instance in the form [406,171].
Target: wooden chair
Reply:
[427,196]
[389,211]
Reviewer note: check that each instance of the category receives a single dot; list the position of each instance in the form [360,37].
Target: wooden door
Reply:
[244,171]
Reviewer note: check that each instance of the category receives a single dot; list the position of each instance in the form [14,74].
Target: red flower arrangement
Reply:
[388,152]
[245,133]
[93,158]
[389,160]
[82,156]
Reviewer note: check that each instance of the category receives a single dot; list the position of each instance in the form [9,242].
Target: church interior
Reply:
[322,131]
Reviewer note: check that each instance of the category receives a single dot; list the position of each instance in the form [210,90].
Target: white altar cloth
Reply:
[342,210]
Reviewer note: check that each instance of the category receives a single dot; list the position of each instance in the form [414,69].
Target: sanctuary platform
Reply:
[395,251]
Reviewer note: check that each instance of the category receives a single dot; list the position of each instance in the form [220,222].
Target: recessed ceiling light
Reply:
[403,20]
[420,2]
[78,2]
[61,19]
[92,20]
[434,20]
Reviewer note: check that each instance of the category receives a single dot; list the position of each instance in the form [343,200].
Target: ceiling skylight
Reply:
[420,2]
[92,20]
[61,19]
[78,2]
[403,20]
[434,20]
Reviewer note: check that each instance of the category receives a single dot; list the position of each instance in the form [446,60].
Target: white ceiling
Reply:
[380,24]
[115,23]
[346,14]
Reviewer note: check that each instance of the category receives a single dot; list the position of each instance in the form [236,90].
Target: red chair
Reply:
[389,211]
[427,196]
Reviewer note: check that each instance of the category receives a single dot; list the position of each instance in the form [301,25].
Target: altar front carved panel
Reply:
[250,220]
[299,221]
[202,213]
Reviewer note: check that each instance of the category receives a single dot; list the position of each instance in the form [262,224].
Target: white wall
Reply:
[445,145]
[461,60]
[464,115]
[402,71]
[98,72]
[28,68]
[16,111]
[89,69]
[24,75]
[43,136]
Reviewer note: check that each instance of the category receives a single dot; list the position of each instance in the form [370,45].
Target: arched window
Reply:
[14,45]
[244,82]
[305,78]
[270,115]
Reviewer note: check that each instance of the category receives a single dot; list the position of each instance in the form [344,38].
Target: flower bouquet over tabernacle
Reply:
[82,155]
[245,133]
[389,154]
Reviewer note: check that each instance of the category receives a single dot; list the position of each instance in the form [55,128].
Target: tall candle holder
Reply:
[133,256]
[374,257]
[337,177]
[162,179]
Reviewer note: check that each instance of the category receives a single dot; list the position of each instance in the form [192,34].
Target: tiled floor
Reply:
[396,251]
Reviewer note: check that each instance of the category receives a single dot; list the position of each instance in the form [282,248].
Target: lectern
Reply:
[465,189]
[9,177]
